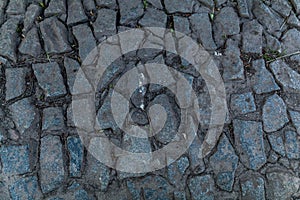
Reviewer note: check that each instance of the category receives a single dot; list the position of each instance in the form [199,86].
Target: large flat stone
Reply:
[296,4]
[56,7]
[75,12]
[242,103]
[54,34]
[154,18]
[15,159]
[16,7]
[201,187]
[75,148]
[287,77]
[243,8]
[253,187]
[277,143]
[15,82]
[32,12]
[224,163]
[262,80]
[250,143]
[295,117]
[23,113]
[25,188]
[291,41]
[174,6]
[30,45]
[51,163]
[274,113]
[252,37]
[53,119]
[292,145]
[105,24]
[130,10]
[53,87]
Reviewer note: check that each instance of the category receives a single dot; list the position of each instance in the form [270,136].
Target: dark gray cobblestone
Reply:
[254,43]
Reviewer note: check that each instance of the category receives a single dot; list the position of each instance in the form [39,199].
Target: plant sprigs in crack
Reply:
[42,4]
[270,55]
[145,3]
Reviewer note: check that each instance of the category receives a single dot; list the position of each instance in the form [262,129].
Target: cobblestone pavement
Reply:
[253,42]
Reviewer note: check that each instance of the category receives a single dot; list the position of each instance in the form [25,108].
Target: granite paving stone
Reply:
[208,3]
[243,103]
[291,41]
[32,12]
[30,45]
[106,3]
[55,36]
[105,24]
[179,6]
[263,81]
[16,7]
[25,188]
[292,145]
[53,87]
[252,37]
[295,117]
[15,82]
[154,18]
[296,4]
[274,113]
[201,187]
[243,8]
[283,7]
[76,12]
[253,187]
[156,3]
[75,148]
[53,119]
[249,141]
[15,159]
[130,10]
[51,163]
[277,143]
[56,7]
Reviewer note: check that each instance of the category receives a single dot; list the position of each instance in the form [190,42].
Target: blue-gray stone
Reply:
[277,144]
[252,37]
[106,3]
[130,10]
[262,80]
[181,24]
[292,145]
[154,18]
[281,184]
[156,3]
[82,195]
[136,145]
[208,3]
[243,8]
[32,12]
[75,12]
[202,187]
[224,163]
[253,187]
[16,7]
[30,45]
[291,41]
[177,169]
[196,163]
[23,114]
[250,143]
[296,4]
[15,159]
[15,82]
[295,116]
[53,87]
[178,195]
[242,103]
[53,119]
[105,24]
[25,188]
[75,148]
[288,78]
[173,6]
[274,114]
[56,7]
[97,174]
[282,7]
[86,40]
[51,163]
[55,36]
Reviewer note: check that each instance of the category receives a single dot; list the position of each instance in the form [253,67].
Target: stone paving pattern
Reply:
[42,44]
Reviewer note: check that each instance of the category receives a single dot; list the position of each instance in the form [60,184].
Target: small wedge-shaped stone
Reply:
[31,44]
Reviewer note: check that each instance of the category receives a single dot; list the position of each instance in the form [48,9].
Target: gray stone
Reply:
[89,5]
[208,3]
[202,30]
[75,148]
[16,7]
[105,24]
[23,114]
[76,12]
[176,171]
[107,3]
[178,195]
[154,18]
[292,145]
[155,187]
[288,78]
[277,144]
[56,7]
[96,173]
[253,187]
[274,114]
[86,40]
[293,20]
[295,117]
[267,18]
[226,23]
[53,119]
[179,6]
[15,82]
[196,163]
[224,163]
[53,87]
[202,187]
[243,8]
[136,145]
[9,39]
[272,43]
[282,6]
[181,24]
[233,65]
[156,3]
[130,10]
[33,11]
[30,45]
[25,188]
[54,34]
[296,4]
[242,103]
[250,144]
[15,159]
[51,163]
[281,184]
[252,37]
[105,117]
[291,41]
[72,67]
[262,80]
